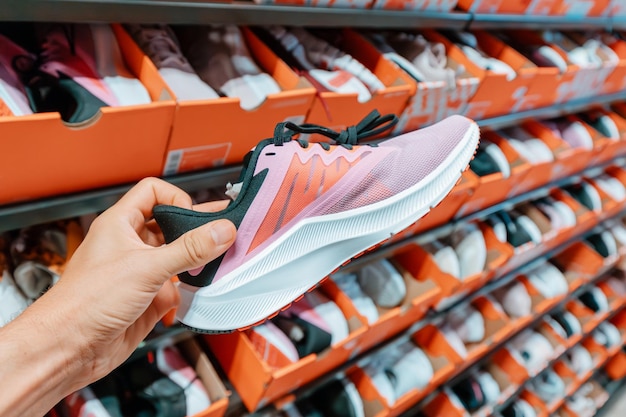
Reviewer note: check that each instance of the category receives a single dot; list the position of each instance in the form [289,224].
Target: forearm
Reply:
[36,366]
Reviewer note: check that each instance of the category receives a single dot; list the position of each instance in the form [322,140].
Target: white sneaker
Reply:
[468,323]
[266,337]
[489,387]
[548,386]
[579,360]
[445,257]
[515,299]
[383,283]
[471,249]
[365,305]
[34,279]
[611,186]
[532,350]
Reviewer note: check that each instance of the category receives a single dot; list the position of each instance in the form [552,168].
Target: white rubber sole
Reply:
[309,252]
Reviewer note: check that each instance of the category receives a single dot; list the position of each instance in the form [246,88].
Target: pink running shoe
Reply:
[303,209]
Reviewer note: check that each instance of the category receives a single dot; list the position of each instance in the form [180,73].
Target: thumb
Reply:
[197,247]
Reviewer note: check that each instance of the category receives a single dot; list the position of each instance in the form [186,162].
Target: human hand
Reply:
[116,286]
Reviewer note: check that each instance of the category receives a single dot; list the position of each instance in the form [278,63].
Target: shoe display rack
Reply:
[253,387]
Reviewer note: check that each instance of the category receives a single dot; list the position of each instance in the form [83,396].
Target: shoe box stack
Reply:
[480,308]
[121,102]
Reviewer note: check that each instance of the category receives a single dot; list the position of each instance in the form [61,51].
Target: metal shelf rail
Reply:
[248,13]
[29,213]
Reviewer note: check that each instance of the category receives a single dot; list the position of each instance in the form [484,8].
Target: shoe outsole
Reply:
[372,248]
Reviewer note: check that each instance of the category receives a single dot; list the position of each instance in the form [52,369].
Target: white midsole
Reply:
[282,272]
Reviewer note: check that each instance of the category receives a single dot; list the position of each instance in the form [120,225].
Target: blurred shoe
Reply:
[12,91]
[520,230]
[546,56]
[579,360]
[607,335]
[490,159]
[515,299]
[159,42]
[574,133]
[611,186]
[581,405]
[313,324]
[469,393]
[445,257]
[468,323]
[560,214]
[423,60]
[604,243]
[34,279]
[568,322]
[337,398]
[586,195]
[348,283]
[274,347]
[602,123]
[382,282]
[489,387]
[332,68]
[532,350]
[220,56]
[618,286]
[595,300]
[548,386]
[531,148]
[519,408]
[100,399]
[471,249]
[13,301]
[550,279]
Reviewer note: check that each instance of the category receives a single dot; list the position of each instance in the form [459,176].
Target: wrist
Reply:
[42,362]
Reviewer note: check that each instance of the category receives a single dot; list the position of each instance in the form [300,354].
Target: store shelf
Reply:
[205,12]
[62,207]
[25,214]
[249,13]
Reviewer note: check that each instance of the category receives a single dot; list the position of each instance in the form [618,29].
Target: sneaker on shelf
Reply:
[445,257]
[423,60]
[602,123]
[531,148]
[221,58]
[579,360]
[548,386]
[607,335]
[326,66]
[532,349]
[12,91]
[163,384]
[611,186]
[468,323]
[337,398]
[519,408]
[515,299]
[469,394]
[383,283]
[586,195]
[471,249]
[273,345]
[489,160]
[288,224]
[560,214]
[313,324]
[604,243]
[348,283]
[159,42]
[489,386]
[573,133]
[550,278]
[568,322]
[595,300]
[100,399]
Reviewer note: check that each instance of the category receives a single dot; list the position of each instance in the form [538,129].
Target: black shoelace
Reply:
[372,125]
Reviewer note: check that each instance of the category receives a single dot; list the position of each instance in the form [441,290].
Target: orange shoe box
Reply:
[583,8]
[620,322]
[119,145]
[567,375]
[497,328]
[216,132]
[494,188]
[207,374]
[536,402]
[258,382]
[421,5]
[567,160]
[616,366]
[337,110]
[539,304]
[509,364]
[579,263]
[528,88]
[543,7]
[446,403]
